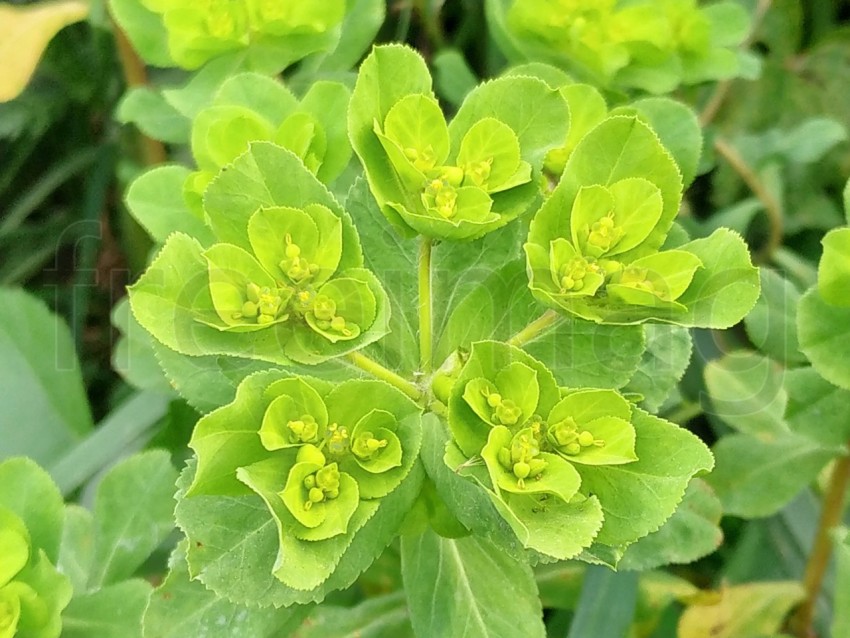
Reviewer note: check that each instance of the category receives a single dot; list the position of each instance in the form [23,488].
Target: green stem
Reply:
[772,206]
[831,513]
[378,371]
[425,305]
[535,328]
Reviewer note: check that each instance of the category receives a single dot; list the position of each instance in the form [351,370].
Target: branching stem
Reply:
[425,336]
[378,371]
[772,207]
[831,514]
[533,330]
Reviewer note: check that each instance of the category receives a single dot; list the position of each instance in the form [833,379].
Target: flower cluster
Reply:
[32,593]
[201,30]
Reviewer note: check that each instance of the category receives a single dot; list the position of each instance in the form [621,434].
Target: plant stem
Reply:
[384,374]
[425,336]
[831,514]
[135,74]
[721,91]
[535,328]
[772,207]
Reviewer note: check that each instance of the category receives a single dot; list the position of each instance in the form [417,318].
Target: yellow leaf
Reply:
[24,34]
[742,611]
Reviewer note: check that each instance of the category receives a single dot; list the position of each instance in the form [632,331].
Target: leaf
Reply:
[816,408]
[155,199]
[145,30]
[25,32]
[606,605]
[32,495]
[744,611]
[43,406]
[822,330]
[747,393]
[112,612]
[690,534]
[362,21]
[453,76]
[637,498]
[133,355]
[465,587]
[662,365]
[812,139]
[834,268]
[772,323]
[153,115]
[752,477]
[182,607]
[382,616]
[132,515]
[76,551]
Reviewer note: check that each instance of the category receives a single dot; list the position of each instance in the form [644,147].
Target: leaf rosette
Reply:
[321,458]
[554,459]
[283,32]
[250,107]
[597,249]
[459,180]
[32,592]
[651,45]
[285,282]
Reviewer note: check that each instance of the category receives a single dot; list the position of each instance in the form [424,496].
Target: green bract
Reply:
[321,459]
[653,45]
[285,283]
[250,107]
[560,459]
[32,592]
[199,31]
[450,181]
[596,247]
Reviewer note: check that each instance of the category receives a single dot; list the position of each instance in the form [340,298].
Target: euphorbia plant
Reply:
[312,472]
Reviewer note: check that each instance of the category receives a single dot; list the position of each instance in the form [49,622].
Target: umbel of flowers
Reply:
[32,592]
[313,128]
[285,282]
[199,31]
[556,458]
[450,181]
[322,458]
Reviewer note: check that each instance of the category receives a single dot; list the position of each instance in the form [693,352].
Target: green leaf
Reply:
[155,199]
[662,365]
[221,133]
[772,323]
[812,139]
[25,34]
[816,407]
[132,516]
[637,498]
[153,115]
[328,102]
[133,355]
[145,30]
[266,96]
[112,612]
[76,551]
[690,534]
[822,330]
[466,587]
[182,607]
[32,495]
[752,477]
[747,392]
[834,268]
[383,616]
[363,19]
[417,122]
[453,76]
[606,606]
[43,403]
[753,609]
[536,113]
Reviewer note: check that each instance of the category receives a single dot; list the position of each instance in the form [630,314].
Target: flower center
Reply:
[322,485]
[366,446]
[304,430]
[441,196]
